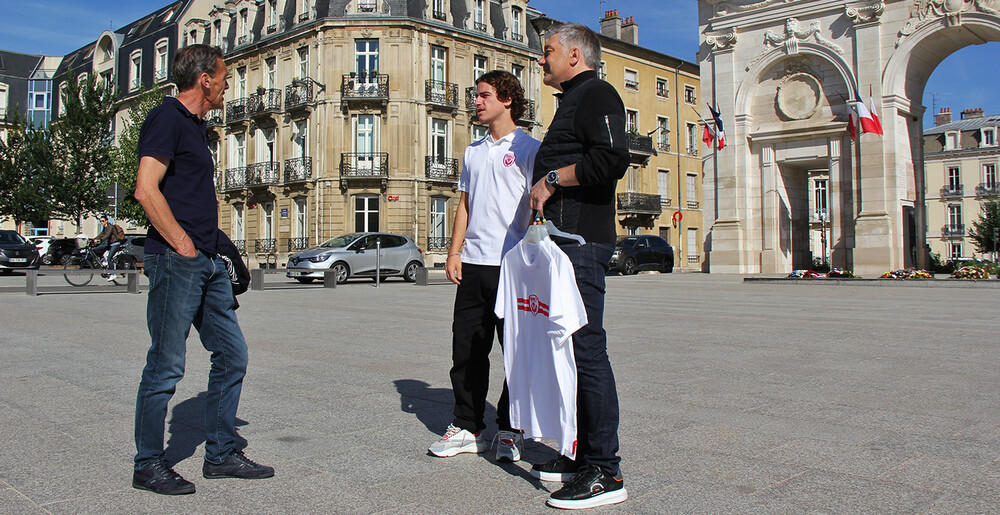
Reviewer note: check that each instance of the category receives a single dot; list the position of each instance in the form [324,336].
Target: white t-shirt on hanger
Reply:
[542,308]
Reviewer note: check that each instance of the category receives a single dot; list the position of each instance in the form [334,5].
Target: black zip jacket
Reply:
[588,129]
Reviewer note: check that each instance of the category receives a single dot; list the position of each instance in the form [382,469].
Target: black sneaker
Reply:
[158,477]
[236,465]
[559,469]
[590,487]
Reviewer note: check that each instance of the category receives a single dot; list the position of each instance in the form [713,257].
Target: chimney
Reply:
[630,31]
[972,113]
[611,24]
[943,117]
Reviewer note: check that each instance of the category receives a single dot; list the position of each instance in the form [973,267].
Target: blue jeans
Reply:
[596,394]
[183,292]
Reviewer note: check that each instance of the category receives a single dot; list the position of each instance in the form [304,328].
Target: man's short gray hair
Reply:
[579,36]
[192,61]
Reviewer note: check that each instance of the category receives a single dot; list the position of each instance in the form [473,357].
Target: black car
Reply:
[16,253]
[135,246]
[58,249]
[636,253]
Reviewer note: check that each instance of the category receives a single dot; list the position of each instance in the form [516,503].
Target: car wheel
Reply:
[305,280]
[342,271]
[628,268]
[47,259]
[65,259]
[410,272]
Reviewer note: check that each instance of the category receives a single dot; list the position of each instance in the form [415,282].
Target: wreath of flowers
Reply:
[971,272]
[911,273]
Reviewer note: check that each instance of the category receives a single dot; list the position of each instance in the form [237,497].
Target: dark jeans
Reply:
[596,396]
[183,292]
[472,341]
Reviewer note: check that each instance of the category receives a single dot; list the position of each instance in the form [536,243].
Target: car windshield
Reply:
[11,238]
[626,241]
[340,241]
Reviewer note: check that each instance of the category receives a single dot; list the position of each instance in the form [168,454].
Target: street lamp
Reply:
[821,215]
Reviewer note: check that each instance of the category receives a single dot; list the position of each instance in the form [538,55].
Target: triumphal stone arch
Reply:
[792,187]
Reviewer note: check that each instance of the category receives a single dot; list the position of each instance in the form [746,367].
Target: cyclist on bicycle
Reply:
[108,241]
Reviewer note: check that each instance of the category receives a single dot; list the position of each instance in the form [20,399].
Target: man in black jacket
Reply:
[583,155]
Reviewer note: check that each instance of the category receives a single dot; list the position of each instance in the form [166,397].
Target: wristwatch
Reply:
[552,178]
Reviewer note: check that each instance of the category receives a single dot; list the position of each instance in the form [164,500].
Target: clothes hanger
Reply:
[542,228]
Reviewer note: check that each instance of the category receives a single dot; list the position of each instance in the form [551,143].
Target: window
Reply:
[479,64]
[237,156]
[193,33]
[515,24]
[268,229]
[951,140]
[989,136]
[689,96]
[303,54]
[238,222]
[4,98]
[272,15]
[632,178]
[366,6]
[300,138]
[631,121]
[954,178]
[40,102]
[364,141]
[820,198]
[479,132]
[366,213]
[479,14]
[241,82]
[439,60]
[269,67]
[439,140]
[305,7]
[518,72]
[692,245]
[135,70]
[218,33]
[300,218]
[990,175]
[662,90]
[213,147]
[244,27]
[439,223]
[631,79]
[955,217]
[692,139]
[62,98]
[602,71]
[662,133]
[691,191]
[366,56]
[438,8]
[663,187]
[265,146]
[955,250]
[161,60]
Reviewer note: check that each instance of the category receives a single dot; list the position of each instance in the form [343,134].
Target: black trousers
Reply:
[472,340]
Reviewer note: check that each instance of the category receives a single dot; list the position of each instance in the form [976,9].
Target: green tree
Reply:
[24,165]
[982,231]
[126,156]
[81,138]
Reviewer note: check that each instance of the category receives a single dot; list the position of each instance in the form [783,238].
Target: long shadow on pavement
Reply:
[187,429]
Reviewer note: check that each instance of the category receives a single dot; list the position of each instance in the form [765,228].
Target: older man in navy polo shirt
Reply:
[188,281]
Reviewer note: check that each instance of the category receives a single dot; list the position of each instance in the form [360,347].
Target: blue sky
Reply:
[668,26]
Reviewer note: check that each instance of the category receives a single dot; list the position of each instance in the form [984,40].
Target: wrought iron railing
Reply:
[219,177]
[242,40]
[298,93]
[640,144]
[263,245]
[366,6]
[633,202]
[693,204]
[663,145]
[666,201]
[160,75]
[271,29]
[241,245]
[298,169]
[364,164]
[953,230]
[438,243]
[692,151]
[439,15]
[631,84]
[529,111]
[441,168]
[481,27]
[690,98]
[264,101]
[235,178]
[214,118]
[517,37]
[441,93]
[694,258]
[236,110]
[952,190]
[300,243]
[984,189]
[262,174]
[662,91]
[364,86]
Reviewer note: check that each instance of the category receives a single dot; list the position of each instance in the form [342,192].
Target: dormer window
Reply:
[161,60]
[135,70]
[988,137]
[515,24]
[479,15]
[366,6]
[951,140]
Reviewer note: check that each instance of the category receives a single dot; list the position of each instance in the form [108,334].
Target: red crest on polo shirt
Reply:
[508,159]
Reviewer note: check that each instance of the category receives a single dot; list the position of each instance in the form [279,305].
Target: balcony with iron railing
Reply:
[235,179]
[298,169]
[632,84]
[299,243]
[219,178]
[439,15]
[985,189]
[441,93]
[517,36]
[363,166]
[241,245]
[262,174]
[271,29]
[365,87]
[529,112]
[666,201]
[264,101]
[265,245]
[663,145]
[160,75]
[299,94]
[242,40]
[952,190]
[214,118]
[692,151]
[639,203]
[438,243]
[441,168]
[638,144]
[953,230]
[481,27]
[236,110]
[693,204]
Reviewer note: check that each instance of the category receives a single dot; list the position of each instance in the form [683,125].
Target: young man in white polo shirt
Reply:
[491,218]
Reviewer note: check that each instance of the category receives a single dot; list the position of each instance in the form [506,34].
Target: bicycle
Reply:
[84,258]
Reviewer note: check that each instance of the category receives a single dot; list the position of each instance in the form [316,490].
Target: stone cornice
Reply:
[724,40]
[861,14]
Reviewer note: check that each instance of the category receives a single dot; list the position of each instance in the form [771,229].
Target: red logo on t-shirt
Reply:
[533,305]
[508,159]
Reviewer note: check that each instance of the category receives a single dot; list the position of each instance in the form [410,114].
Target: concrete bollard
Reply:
[133,281]
[257,279]
[329,279]
[31,283]
[421,276]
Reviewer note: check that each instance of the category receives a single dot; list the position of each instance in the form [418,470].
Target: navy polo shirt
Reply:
[171,131]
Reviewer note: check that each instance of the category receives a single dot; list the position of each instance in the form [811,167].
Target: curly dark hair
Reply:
[508,88]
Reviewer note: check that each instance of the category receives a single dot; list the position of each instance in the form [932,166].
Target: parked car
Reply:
[41,243]
[135,246]
[58,250]
[16,253]
[353,255]
[636,253]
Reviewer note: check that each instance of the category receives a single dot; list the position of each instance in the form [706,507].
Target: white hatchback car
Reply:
[353,255]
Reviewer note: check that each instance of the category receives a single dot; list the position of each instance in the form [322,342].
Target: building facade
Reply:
[961,160]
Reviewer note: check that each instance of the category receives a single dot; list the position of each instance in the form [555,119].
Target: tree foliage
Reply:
[126,157]
[81,142]
[982,231]
[24,164]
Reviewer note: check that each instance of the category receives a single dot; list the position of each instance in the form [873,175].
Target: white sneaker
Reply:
[111,277]
[509,445]
[456,441]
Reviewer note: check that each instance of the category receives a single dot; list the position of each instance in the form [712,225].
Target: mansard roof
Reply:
[968,124]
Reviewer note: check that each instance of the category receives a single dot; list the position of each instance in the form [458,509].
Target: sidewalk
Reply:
[736,398]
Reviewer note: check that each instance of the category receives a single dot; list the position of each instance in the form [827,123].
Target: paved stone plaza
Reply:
[736,398]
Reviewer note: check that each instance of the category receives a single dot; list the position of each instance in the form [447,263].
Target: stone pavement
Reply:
[736,398]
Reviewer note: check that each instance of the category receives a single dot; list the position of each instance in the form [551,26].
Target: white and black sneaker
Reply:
[509,445]
[559,469]
[589,488]
[456,441]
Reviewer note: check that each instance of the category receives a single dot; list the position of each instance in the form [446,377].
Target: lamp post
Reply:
[821,215]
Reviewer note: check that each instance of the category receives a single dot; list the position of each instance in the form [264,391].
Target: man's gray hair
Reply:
[579,36]
[192,61]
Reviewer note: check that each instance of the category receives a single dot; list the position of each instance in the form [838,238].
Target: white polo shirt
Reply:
[496,175]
